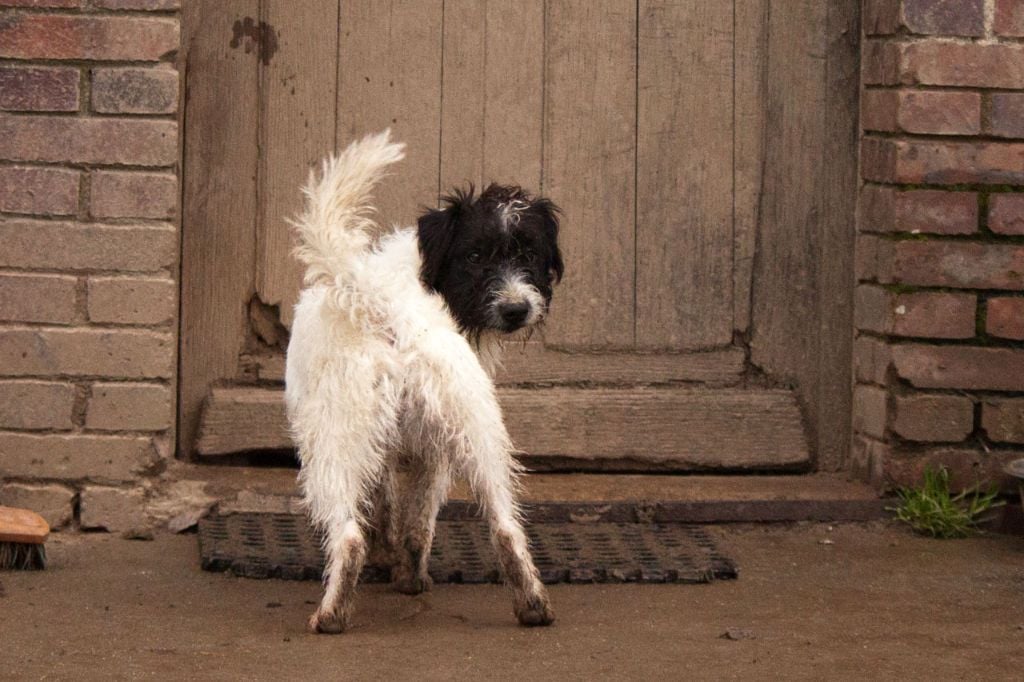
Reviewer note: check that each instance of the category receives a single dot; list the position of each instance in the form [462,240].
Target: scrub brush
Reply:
[22,534]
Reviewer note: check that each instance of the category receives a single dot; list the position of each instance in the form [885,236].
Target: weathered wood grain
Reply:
[463,94]
[684,183]
[514,85]
[219,214]
[748,123]
[296,130]
[785,312]
[534,364]
[836,274]
[687,428]
[589,164]
[389,75]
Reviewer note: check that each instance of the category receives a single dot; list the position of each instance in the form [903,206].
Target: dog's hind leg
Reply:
[342,459]
[460,402]
[424,491]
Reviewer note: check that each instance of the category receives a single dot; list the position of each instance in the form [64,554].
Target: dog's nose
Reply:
[514,314]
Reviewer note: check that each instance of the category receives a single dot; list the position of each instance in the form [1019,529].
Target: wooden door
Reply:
[703,154]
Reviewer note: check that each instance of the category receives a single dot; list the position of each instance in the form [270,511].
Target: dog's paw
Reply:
[412,584]
[535,612]
[326,624]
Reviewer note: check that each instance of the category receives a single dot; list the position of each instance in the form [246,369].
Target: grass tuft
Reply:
[934,511]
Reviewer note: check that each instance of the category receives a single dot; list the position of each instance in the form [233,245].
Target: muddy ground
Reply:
[812,602]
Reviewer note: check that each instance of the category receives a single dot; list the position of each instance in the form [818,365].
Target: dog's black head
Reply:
[493,258]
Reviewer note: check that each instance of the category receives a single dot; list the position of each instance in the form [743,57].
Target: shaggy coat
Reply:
[390,366]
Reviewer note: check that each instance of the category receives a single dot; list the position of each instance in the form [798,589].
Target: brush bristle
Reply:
[22,556]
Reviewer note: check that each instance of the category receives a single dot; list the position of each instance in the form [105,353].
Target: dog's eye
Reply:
[528,255]
[473,257]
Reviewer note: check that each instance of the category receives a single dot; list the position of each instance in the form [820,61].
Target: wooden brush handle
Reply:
[22,525]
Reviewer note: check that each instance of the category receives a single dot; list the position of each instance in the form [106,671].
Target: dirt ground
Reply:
[812,602]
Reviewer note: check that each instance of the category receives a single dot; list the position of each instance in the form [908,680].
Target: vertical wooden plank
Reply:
[590,164]
[785,310]
[836,275]
[219,215]
[389,75]
[748,121]
[296,130]
[684,183]
[463,92]
[514,85]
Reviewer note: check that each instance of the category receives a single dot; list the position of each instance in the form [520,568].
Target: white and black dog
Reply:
[391,360]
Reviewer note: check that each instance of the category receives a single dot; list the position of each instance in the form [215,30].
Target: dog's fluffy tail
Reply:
[337,223]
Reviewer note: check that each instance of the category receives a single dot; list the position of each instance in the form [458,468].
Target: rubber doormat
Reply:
[258,545]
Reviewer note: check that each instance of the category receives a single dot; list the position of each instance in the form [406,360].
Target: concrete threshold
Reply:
[593,498]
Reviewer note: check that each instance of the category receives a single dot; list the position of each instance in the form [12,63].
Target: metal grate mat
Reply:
[260,545]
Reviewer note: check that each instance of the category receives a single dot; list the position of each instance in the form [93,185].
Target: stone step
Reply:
[678,428]
[592,498]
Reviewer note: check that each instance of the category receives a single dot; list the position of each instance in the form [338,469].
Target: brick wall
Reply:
[88,255]
[939,358]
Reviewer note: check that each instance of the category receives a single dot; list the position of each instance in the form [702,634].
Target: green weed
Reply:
[933,510]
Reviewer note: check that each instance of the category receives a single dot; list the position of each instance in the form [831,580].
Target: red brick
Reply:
[942,163]
[929,62]
[150,5]
[933,417]
[41,3]
[131,300]
[1005,318]
[881,17]
[75,456]
[1009,18]
[885,209]
[120,194]
[870,412]
[967,467]
[88,140]
[129,407]
[52,502]
[38,88]
[945,17]
[1003,419]
[36,405]
[83,351]
[1006,213]
[1007,115]
[78,246]
[922,111]
[872,359]
[56,36]
[867,458]
[935,212]
[135,91]
[927,314]
[968,367]
[878,110]
[881,63]
[28,297]
[958,264]
[939,113]
[42,191]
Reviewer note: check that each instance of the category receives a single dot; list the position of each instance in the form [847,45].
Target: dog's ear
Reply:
[436,231]
[549,215]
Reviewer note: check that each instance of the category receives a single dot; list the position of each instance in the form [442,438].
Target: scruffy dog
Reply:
[391,361]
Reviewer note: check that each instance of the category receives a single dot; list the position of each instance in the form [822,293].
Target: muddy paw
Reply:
[536,612]
[412,584]
[326,624]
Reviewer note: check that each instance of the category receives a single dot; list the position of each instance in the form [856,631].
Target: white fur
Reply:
[376,366]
